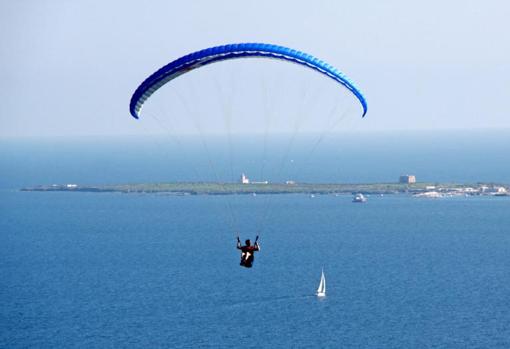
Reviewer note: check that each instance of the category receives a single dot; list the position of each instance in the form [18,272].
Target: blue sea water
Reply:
[83,270]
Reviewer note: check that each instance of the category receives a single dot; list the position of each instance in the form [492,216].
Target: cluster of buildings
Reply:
[482,189]
[439,192]
[433,191]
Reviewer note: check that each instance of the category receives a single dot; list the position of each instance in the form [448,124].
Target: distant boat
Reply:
[321,291]
[359,198]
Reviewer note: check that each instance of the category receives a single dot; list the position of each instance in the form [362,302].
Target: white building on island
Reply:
[244,179]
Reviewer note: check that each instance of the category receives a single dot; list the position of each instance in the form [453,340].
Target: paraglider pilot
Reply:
[247,252]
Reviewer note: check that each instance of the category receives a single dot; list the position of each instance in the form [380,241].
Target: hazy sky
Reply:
[69,67]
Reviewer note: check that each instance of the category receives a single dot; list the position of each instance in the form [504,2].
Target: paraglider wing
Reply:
[220,53]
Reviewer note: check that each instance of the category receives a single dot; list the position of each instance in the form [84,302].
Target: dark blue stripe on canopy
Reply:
[219,53]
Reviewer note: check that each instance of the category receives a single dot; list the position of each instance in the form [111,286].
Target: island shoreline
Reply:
[216,188]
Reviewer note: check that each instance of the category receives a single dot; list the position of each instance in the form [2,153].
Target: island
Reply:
[217,188]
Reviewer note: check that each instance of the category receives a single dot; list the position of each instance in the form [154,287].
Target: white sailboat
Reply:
[321,291]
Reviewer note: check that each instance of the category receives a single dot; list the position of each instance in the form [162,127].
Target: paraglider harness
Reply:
[247,252]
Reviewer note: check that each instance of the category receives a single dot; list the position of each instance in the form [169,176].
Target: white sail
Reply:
[321,291]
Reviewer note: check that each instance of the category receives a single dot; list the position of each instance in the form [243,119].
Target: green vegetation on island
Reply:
[213,188]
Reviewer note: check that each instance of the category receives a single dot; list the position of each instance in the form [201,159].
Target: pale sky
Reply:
[68,68]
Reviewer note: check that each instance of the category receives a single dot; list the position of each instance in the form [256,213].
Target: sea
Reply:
[109,270]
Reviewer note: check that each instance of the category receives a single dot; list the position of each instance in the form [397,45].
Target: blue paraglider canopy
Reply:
[219,53]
